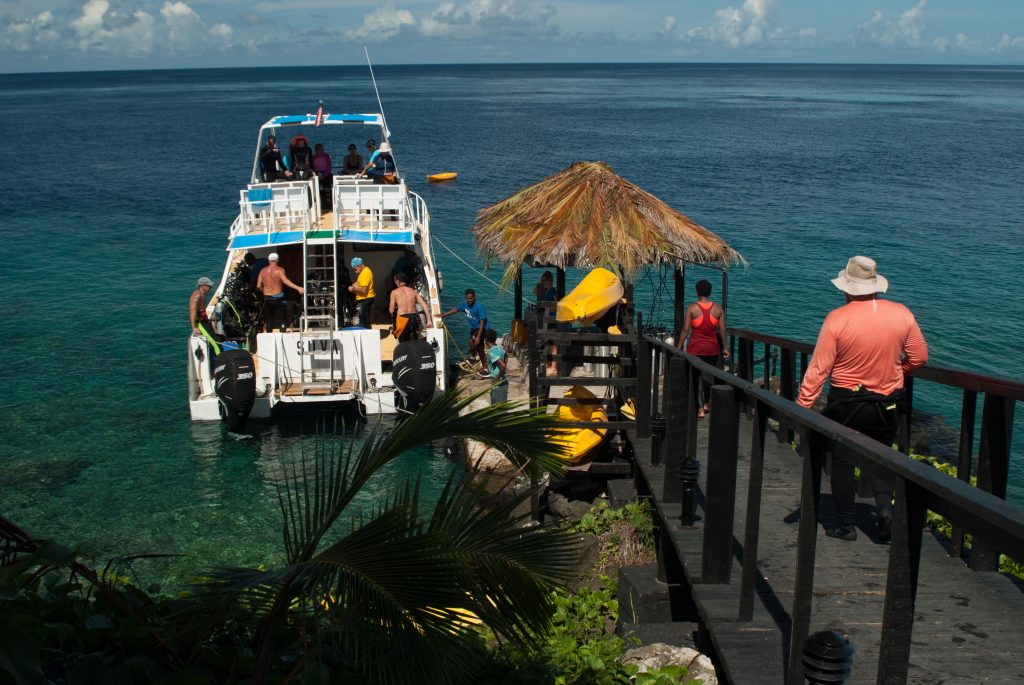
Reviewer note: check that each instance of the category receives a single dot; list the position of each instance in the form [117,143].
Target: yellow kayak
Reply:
[599,291]
[446,176]
[580,442]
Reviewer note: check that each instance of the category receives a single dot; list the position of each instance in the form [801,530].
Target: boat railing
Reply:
[363,206]
[419,215]
[279,206]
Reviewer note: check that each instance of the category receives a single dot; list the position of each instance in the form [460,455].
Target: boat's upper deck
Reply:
[354,210]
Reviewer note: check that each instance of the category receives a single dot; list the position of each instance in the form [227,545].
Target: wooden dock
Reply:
[742,536]
[967,627]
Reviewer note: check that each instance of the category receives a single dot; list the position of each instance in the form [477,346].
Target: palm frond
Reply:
[397,582]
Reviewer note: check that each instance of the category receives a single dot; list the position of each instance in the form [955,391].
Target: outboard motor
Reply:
[235,382]
[414,373]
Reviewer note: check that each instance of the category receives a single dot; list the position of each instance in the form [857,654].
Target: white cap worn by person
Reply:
[204,281]
[273,257]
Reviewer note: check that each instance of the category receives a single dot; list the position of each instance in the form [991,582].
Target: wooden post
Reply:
[807,541]
[560,282]
[643,383]
[518,294]
[679,301]
[968,415]
[906,415]
[993,467]
[675,427]
[725,292]
[690,468]
[751,529]
[901,583]
[532,361]
[786,386]
[723,451]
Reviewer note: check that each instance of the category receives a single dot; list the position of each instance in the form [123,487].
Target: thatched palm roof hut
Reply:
[587,216]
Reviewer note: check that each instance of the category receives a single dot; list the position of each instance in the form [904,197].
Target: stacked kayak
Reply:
[581,442]
[599,291]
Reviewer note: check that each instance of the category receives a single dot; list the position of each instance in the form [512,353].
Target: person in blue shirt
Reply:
[496,366]
[476,315]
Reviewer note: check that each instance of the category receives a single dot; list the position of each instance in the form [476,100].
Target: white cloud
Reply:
[104,30]
[487,17]
[748,24]
[905,31]
[382,24]
[1008,42]
[667,25]
[185,30]
[22,35]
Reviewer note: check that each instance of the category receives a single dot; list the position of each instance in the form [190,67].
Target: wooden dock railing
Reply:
[999,396]
[663,382]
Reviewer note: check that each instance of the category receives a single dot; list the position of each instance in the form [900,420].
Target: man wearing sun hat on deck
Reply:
[864,348]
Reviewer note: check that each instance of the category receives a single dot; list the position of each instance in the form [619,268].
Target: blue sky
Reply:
[54,35]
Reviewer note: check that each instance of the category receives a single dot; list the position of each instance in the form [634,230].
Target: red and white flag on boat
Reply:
[319,114]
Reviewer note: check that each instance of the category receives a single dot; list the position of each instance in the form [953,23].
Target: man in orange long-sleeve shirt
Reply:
[864,348]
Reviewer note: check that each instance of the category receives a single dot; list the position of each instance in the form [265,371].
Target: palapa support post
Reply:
[679,301]
[725,292]
[518,294]
[560,282]
[532,361]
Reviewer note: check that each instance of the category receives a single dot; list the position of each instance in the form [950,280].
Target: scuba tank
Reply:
[414,373]
[234,379]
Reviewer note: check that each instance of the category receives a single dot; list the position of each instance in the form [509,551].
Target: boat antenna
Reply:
[387,132]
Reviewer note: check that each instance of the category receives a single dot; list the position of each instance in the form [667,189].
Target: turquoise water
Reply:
[799,167]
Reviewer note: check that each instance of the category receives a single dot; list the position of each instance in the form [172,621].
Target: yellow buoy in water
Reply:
[445,176]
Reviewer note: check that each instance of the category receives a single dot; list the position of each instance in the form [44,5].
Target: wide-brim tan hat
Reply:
[861,277]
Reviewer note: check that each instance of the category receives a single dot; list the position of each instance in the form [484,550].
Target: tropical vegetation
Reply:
[397,596]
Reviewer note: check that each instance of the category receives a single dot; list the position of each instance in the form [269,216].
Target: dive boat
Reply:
[317,351]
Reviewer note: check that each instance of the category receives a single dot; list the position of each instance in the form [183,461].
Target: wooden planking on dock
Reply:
[967,626]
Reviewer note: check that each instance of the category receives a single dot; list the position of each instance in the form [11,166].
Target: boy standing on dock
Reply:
[497,365]
[865,347]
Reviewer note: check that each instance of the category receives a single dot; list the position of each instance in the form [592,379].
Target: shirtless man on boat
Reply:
[403,308]
[271,283]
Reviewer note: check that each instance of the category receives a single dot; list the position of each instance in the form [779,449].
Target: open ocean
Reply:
[122,185]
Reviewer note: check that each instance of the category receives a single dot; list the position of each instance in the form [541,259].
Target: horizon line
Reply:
[521,64]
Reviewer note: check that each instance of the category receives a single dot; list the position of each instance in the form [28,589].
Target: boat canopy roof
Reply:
[310,119]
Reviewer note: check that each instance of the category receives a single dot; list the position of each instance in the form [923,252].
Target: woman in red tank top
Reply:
[704,323]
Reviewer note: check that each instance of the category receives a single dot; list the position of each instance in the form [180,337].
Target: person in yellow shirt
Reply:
[363,290]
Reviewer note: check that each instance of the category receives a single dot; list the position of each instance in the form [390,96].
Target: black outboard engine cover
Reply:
[234,378]
[414,373]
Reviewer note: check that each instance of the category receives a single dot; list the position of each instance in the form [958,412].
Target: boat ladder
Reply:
[321,358]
